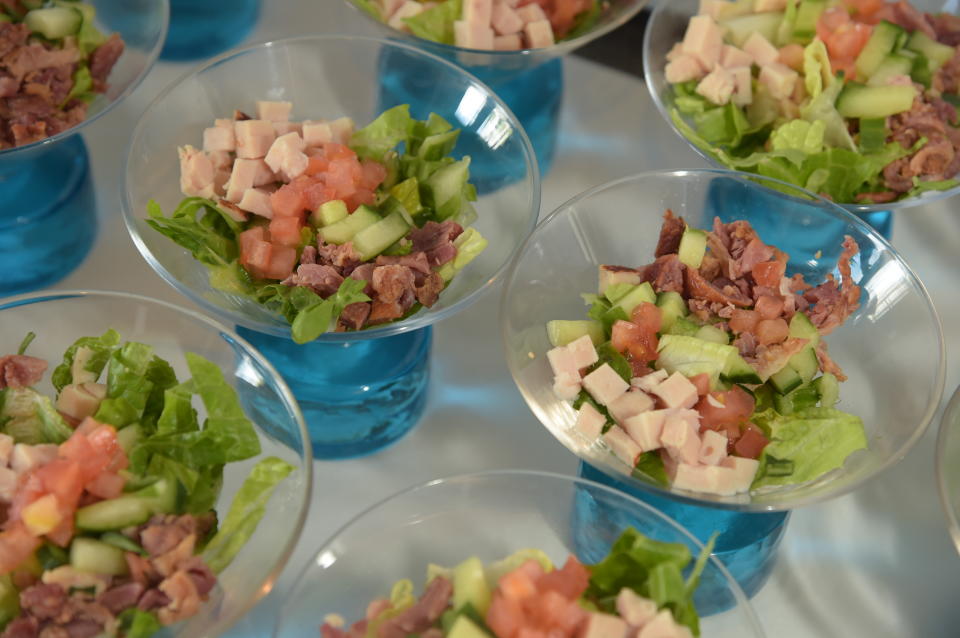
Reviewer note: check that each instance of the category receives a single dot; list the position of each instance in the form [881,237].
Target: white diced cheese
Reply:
[341,130]
[76,402]
[779,79]
[477,11]
[645,428]
[681,436]
[256,201]
[218,138]
[649,381]
[78,369]
[505,20]
[636,610]
[733,57]
[713,447]
[714,8]
[253,138]
[511,42]
[538,34]
[743,470]
[590,421]
[676,391]
[703,40]
[408,9]
[620,443]
[583,352]
[472,36]
[629,404]
[760,49]
[286,157]
[675,51]
[316,133]
[532,12]
[684,68]
[717,86]
[600,625]
[273,111]
[196,172]
[742,86]
[605,385]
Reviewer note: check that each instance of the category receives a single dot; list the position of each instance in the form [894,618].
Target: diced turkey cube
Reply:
[316,133]
[645,428]
[742,86]
[81,400]
[675,51]
[583,352]
[562,361]
[634,608]
[762,6]
[477,11]
[390,6]
[282,128]
[511,42]
[196,172]
[677,391]
[532,12]
[684,68]
[629,404]
[511,3]
[711,479]
[218,138]
[220,179]
[26,457]
[256,201]
[610,275]
[233,211]
[681,436]
[539,34]
[605,385]
[779,79]
[408,9]
[273,111]
[8,484]
[286,157]
[704,41]
[650,380]
[78,370]
[664,626]
[600,625]
[743,469]
[620,443]
[223,122]
[713,447]
[760,49]
[713,8]
[472,36]
[6,448]
[254,138]
[717,86]
[220,159]
[590,421]
[567,386]
[341,130]
[242,178]
[505,20]
[733,57]
[263,174]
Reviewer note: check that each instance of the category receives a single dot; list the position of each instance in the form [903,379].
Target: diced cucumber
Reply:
[469,245]
[735,8]
[805,364]
[738,370]
[808,13]
[692,355]
[801,327]
[463,627]
[561,332]
[786,380]
[113,514]
[922,70]
[937,53]
[891,66]
[693,245]
[672,306]
[164,496]
[343,231]
[128,436]
[470,586]
[642,293]
[859,100]
[120,541]
[610,275]
[616,292]
[801,398]
[9,596]
[828,388]
[739,28]
[695,368]
[682,327]
[445,184]
[91,555]
[374,239]
[763,397]
[873,133]
[881,43]
[329,213]
[712,333]
[54,23]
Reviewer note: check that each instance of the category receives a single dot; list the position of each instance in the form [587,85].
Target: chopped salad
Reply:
[707,369]
[855,100]
[53,62]
[333,228]
[500,25]
[108,490]
[638,589]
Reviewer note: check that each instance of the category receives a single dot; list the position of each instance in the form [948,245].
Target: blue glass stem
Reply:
[357,396]
[208,27]
[48,216]
[746,544]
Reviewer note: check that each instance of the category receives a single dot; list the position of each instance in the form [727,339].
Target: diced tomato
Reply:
[648,316]
[861,8]
[106,485]
[844,38]
[719,409]
[285,231]
[318,193]
[282,261]
[517,584]
[565,12]
[743,320]
[62,534]
[249,240]
[361,196]
[287,201]
[504,616]
[623,334]
[64,478]
[104,440]
[543,608]
[792,56]
[78,448]
[701,382]
[334,151]
[751,442]
[768,273]
[317,164]
[571,580]
[628,337]
[29,489]
[770,331]
[343,175]
[88,425]
[373,174]
[257,257]
[769,307]
[16,546]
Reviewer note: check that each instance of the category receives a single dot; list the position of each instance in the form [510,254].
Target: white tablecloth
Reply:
[875,563]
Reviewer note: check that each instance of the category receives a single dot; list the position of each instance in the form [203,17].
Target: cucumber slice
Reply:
[113,514]
[805,364]
[828,388]
[712,333]
[808,13]
[343,231]
[682,327]
[859,100]
[329,213]
[128,436]
[786,380]
[937,53]
[164,496]
[122,542]
[561,332]
[892,65]
[470,586]
[738,370]
[91,555]
[672,306]
[803,397]
[54,23]
[642,293]
[739,28]
[463,627]
[374,239]
[693,245]
[873,133]
[445,184]
[881,43]
[802,328]
[678,353]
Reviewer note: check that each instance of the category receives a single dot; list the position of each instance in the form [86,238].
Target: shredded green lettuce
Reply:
[30,417]
[822,108]
[321,316]
[382,134]
[436,23]
[135,623]
[800,135]
[816,68]
[27,340]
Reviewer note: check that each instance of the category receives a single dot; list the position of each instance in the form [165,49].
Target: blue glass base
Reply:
[881,220]
[48,216]
[359,396]
[208,27]
[746,545]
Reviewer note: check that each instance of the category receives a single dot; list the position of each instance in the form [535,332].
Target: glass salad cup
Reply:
[490,515]
[618,223]
[529,81]
[48,219]
[203,29]
[360,391]
[666,26]
[948,466]
[59,318]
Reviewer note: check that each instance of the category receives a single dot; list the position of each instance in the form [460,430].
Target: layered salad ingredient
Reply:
[108,488]
[53,62]
[332,227]
[639,589]
[493,25]
[854,100]
[707,369]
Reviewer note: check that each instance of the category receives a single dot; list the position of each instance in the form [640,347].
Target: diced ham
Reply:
[221,159]
[649,381]
[713,8]
[704,41]
[583,352]
[196,172]
[779,79]
[620,443]
[242,178]
[636,610]
[683,68]
[286,157]
[600,625]
[664,626]
[743,470]
[341,130]
[256,201]
[472,36]
[539,34]
[531,12]
[219,138]
[629,404]
[731,57]
[566,386]
[742,86]
[590,421]
[223,122]
[505,20]
[645,428]
[80,401]
[677,391]
[510,42]
[680,436]
[316,133]
[282,128]
[717,86]
[273,111]
[477,11]
[712,479]
[408,9]
[253,138]
[263,175]
[562,361]
[760,50]
[713,448]
[605,385]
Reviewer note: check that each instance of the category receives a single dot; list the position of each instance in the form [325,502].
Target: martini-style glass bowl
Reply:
[948,466]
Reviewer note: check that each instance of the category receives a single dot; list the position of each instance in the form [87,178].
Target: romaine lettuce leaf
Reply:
[128,385]
[817,72]
[102,348]
[314,320]
[135,623]
[30,417]
[822,108]
[436,23]
[199,227]
[226,423]
[800,135]
[379,136]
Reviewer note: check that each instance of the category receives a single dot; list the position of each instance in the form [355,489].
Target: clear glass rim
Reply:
[950,420]
[559,48]
[287,396]
[610,466]
[648,72]
[512,475]
[151,59]
[421,319]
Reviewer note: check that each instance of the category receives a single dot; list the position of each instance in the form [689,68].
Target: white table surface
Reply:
[875,563]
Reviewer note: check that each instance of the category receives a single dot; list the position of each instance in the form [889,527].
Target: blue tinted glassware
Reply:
[203,28]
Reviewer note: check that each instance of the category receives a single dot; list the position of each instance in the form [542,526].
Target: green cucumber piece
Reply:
[9,596]
[343,231]
[561,331]
[712,333]
[881,43]
[828,388]
[873,133]
[691,356]
[693,245]
[672,306]
[860,100]
[786,380]
[470,586]
[922,70]
[937,53]
[801,398]
[805,364]
[128,436]
[891,66]
[802,328]
[54,23]
[642,293]
[738,370]
[463,627]
[683,327]
[740,28]
[329,213]
[446,184]
[113,514]
[164,496]
[374,239]
[808,13]
[125,543]
[91,555]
